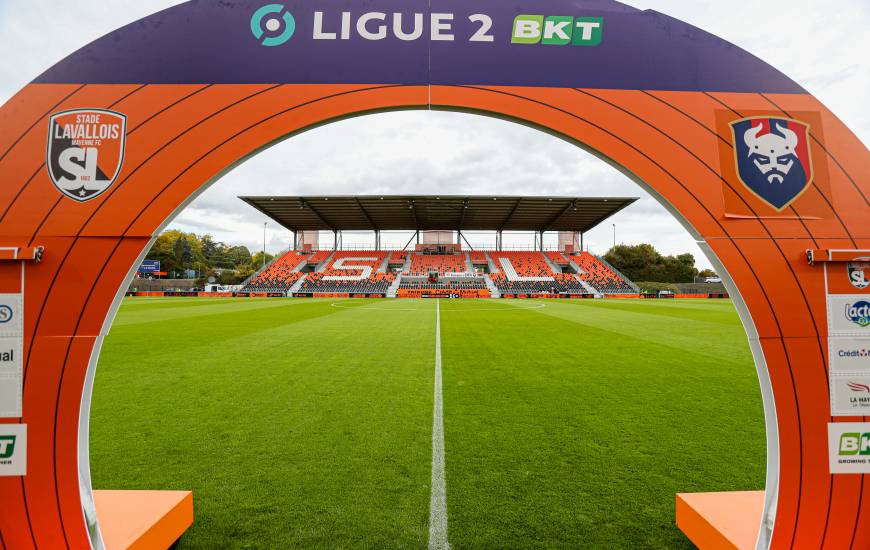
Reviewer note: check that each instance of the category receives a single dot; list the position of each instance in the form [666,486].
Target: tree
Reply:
[183,252]
[209,248]
[643,262]
[178,251]
[257,260]
[239,256]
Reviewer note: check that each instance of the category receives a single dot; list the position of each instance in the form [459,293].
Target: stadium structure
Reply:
[438,261]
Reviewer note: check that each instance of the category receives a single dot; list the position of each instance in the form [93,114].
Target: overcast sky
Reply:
[821,45]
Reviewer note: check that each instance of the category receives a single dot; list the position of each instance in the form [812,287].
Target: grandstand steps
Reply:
[551,263]
[301,265]
[263,268]
[492,267]
[407,267]
[393,290]
[493,290]
[297,285]
[589,288]
[322,265]
[508,269]
[574,266]
[628,281]
[469,267]
[512,275]
[385,265]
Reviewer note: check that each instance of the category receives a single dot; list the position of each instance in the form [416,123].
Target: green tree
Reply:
[257,260]
[642,262]
[209,248]
[183,252]
[238,256]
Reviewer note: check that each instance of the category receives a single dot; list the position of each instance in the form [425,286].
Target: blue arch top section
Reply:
[557,43]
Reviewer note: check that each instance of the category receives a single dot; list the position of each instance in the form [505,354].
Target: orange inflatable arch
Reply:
[105,148]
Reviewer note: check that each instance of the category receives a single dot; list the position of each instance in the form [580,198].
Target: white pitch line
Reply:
[438,502]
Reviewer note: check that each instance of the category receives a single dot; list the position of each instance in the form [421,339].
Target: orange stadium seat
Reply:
[478,257]
[601,277]
[421,264]
[279,275]
[526,264]
[533,264]
[557,258]
[397,257]
[319,256]
[338,278]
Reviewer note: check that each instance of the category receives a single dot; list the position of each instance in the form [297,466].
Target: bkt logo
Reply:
[854,443]
[557,30]
[859,313]
[5,314]
[272,25]
[7,446]
[773,158]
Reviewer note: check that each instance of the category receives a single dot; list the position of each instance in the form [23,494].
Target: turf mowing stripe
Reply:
[438,502]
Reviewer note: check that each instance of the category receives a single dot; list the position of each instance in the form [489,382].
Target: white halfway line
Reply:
[438,502]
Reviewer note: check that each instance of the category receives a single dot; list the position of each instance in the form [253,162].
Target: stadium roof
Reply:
[439,212]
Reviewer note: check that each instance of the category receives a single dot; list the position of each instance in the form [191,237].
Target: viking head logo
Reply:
[85,151]
[772,156]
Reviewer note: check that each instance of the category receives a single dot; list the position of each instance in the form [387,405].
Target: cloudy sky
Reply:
[820,47]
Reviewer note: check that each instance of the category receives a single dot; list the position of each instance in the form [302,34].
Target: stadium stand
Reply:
[397,257]
[601,277]
[350,271]
[526,264]
[376,283]
[357,271]
[561,283]
[478,257]
[557,258]
[465,284]
[279,275]
[422,264]
[319,256]
[529,273]
[370,258]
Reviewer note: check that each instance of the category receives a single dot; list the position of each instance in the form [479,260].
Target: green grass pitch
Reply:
[304,423]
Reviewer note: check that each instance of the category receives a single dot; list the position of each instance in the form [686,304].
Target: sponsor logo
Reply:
[7,446]
[859,313]
[849,447]
[13,449]
[273,25]
[850,395]
[5,314]
[860,353]
[773,158]
[85,151]
[859,273]
[854,443]
[557,30]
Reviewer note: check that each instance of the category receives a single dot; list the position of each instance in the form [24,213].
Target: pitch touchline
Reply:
[457,310]
[438,501]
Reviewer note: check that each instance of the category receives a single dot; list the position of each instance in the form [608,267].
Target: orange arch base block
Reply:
[150,520]
[721,521]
